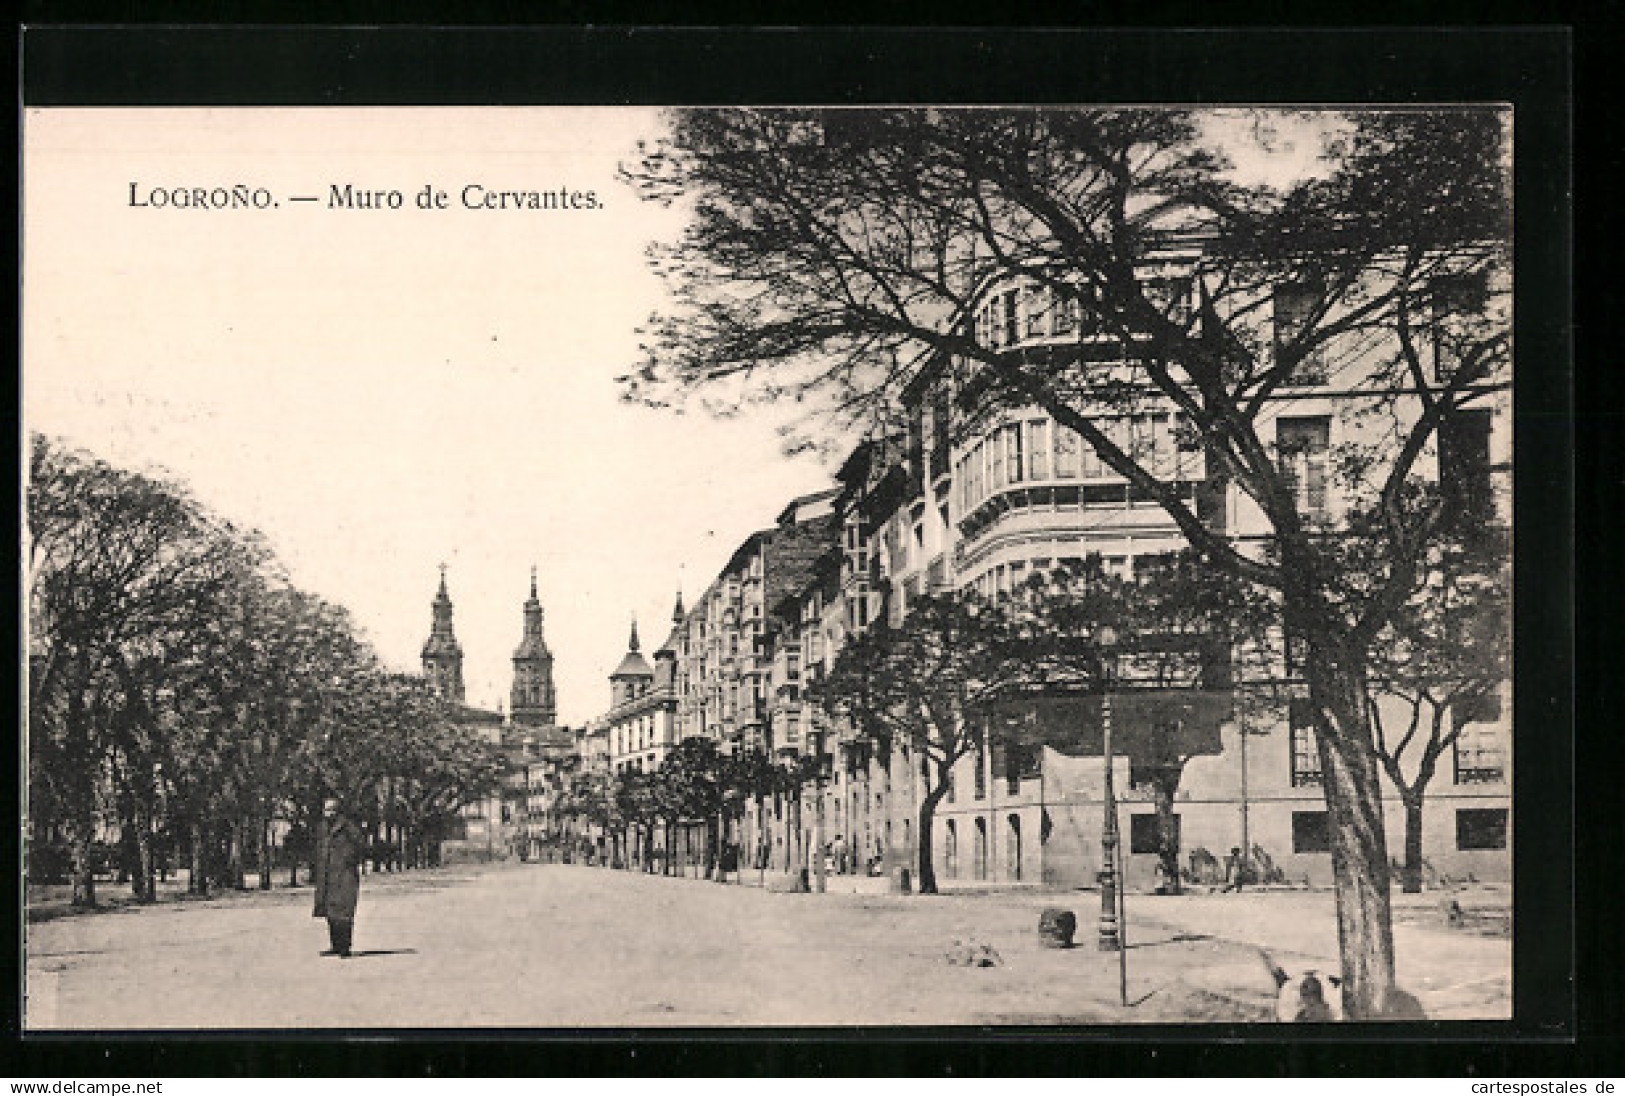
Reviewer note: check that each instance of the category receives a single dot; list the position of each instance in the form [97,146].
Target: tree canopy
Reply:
[179,684]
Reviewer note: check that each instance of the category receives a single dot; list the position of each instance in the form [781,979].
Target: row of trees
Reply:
[182,694]
[838,258]
[1190,648]
[1181,648]
[696,783]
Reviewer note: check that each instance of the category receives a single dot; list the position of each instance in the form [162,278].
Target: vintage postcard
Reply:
[604,567]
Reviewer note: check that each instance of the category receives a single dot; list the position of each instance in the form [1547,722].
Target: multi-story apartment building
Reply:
[977,499]
[541,761]
[1024,494]
[724,658]
[640,727]
[984,501]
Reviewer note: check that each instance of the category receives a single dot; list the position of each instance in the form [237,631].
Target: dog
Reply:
[1314,997]
[1307,997]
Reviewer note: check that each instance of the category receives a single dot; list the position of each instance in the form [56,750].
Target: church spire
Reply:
[632,643]
[442,654]
[532,699]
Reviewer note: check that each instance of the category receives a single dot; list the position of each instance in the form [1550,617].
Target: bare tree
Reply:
[1441,660]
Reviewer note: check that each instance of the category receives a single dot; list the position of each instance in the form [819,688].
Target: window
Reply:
[996,321]
[1311,831]
[1005,318]
[1162,445]
[1038,450]
[1302,446]
[1065,314]
[1067,445]
[1481,828]
[1012,452]
[1452,298]
[1305,753]
[941,430]
[1187,440]
[1464,465]
[1480,756]
[1172,296]
[1295,307]
[981,766]
[1035,307]
[1145,833]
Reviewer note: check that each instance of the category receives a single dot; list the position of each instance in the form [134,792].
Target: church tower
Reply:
[531,701]
[633,677]
[442,654]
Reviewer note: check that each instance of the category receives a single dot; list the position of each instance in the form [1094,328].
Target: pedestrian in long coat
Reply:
[338,876]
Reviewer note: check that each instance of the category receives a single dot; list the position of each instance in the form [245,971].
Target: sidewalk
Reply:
[556,946]
[1457,973]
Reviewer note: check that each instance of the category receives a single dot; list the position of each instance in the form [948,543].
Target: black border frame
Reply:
[1530,68]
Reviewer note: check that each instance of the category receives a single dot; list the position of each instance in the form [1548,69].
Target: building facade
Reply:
[640,727]
[970,501]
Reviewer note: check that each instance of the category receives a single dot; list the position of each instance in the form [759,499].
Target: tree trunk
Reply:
[198,875]
[84,875]
[81,800]
[1165,786]
[265,853]
[1411,875]
[722,848]
[236,872]
[928,814]
[1359,850]
[146,883]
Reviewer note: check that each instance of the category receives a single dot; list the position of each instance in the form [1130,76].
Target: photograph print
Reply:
[731,567]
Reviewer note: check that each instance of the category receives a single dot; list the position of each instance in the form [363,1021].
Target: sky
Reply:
[383,390]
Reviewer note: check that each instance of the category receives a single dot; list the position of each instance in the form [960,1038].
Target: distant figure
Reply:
[840,854]
[338,875]
[1232,870]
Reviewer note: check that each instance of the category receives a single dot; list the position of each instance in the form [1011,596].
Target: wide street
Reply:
[554,946]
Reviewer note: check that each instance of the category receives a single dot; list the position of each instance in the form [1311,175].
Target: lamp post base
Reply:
[1110,938]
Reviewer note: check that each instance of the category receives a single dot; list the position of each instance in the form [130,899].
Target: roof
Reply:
[633,665]
[792,512]
[462,713]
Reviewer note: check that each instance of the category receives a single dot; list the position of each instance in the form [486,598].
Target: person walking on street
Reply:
[338,875]
[1233,868]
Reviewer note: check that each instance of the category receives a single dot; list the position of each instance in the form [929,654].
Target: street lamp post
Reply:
[1111,881]
[1110,938]
[820,884]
